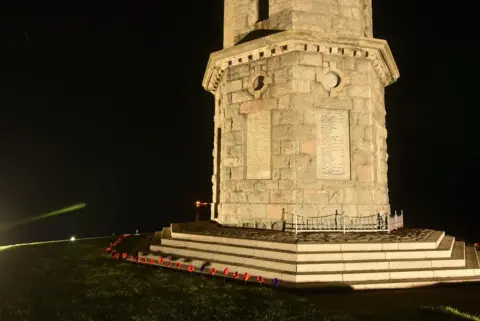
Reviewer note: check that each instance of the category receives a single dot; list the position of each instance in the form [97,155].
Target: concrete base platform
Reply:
[404,258]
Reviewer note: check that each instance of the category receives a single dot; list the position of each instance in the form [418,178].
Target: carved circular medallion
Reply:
[331,80]
[258,83]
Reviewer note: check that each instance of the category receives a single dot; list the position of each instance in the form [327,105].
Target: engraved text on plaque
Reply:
[333,144]
[258,151]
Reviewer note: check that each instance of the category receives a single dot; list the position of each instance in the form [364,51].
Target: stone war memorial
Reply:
[300,157]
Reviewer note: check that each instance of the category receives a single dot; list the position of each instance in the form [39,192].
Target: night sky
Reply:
[104,105]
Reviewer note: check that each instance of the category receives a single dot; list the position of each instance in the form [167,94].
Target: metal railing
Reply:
[342,223]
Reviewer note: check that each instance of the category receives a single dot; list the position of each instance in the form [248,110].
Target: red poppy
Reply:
[124,256]
[246,276]
[177,265]
[169,263]
[190,268]
[213,271]
[117,255]
[109,249]
[139,259]
[131,258]
[152,261]
[161,261]
[260,279]
[477,245]
[235,274]
[225,272]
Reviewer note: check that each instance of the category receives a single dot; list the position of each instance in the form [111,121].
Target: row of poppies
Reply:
[178,265]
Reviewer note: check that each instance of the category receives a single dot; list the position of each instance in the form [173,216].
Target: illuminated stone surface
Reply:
[311,137]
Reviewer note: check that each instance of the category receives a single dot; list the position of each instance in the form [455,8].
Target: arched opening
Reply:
[263,8]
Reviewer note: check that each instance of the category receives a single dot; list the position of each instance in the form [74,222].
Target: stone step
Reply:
[456,260]
[344,277]
[432,242]
[215,251]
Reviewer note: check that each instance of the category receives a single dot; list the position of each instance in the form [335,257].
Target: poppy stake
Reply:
[190,269]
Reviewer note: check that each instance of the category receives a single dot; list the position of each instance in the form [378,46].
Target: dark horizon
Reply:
[104,105]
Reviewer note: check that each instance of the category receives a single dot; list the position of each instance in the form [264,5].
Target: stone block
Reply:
[286,117]
[312,196]
[303,160]
[289,147]
[281,76]
[257,105]
[364,173]
[234,85]
[276,150]
[350,195]
[281,161]
[363,65]
[284,102]
[233,138]
[281,132]
[231,161]
[307,177]
[350,63]
[282,197]
[311,59]
[239,71]
[308,147]
[271,185]
[258,197]
[357,132]
[303,72]
[335,195]
[232,110]
[287,173]
[304,86]
[289,59]
[273,63]
[230,186]
[237,173]
[237,122]
[301,101]
[280,89]
[241,96]
[359,157]
[275,212]
[359,91]
[237,197]
[285,184]
[246,185]
[364,196]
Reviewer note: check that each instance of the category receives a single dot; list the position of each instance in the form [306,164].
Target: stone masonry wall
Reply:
[340,17]
[294,94]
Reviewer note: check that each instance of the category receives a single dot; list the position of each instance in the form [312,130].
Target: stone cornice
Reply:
[377,50]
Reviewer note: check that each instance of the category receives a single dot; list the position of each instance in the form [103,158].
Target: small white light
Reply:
[72,238]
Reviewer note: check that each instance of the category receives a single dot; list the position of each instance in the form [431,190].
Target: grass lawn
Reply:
[76,281]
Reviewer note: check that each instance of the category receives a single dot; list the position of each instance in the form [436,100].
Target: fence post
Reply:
[401,214]
[296,223]
[336,223]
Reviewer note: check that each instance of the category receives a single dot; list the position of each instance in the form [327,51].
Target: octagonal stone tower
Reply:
[299,112]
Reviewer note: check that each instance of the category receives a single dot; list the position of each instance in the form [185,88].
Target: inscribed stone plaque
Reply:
[258,155]
[333,144]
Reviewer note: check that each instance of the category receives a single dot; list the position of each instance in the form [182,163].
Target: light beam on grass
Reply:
[456,312]
[7,226]
[6,247]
